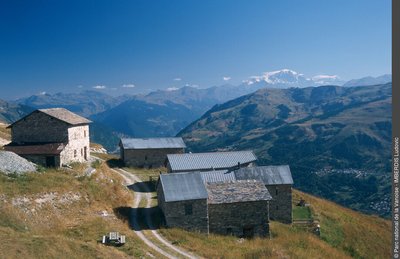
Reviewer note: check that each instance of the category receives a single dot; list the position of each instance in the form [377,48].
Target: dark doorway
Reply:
[248,232]
[85,153]
[50,161]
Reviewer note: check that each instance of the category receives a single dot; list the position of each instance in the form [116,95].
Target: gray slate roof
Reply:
[239,191]
[214,160]
[60,114]
[270,175]
[65,115]
[218,176]
[183,186]
[150,143]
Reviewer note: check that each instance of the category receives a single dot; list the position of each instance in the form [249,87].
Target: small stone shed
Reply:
[51,137]
[210,202]
[238,208]
[195,162]
[149,152]
[279,182]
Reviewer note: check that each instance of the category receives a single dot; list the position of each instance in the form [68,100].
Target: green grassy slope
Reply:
[344,234]
[60,214]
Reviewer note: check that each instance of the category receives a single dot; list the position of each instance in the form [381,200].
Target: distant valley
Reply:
[311,129]
[336,139]
[162,112]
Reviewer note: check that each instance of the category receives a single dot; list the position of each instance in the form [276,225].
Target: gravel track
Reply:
[146,194]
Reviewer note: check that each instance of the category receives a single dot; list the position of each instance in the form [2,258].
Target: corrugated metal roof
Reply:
[214,160]
[270,175]
[239,191]
[218,176]
[149,143]
[183,186]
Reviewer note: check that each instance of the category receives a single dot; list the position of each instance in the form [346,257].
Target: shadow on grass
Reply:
[141,187]
[115,163]
[137,217]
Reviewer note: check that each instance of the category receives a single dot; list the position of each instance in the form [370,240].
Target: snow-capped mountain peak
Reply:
[286,78]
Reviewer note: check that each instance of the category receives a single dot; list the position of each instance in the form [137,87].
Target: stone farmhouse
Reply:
[195,162]
[149,152]
[51,137]
[279,182]
[231,201]
[194,201]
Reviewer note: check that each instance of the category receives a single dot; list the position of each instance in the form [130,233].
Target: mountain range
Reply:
[162,112]
[320,131]
[287,78]
[369,80]
[10,112]
[336,139]
[84,103]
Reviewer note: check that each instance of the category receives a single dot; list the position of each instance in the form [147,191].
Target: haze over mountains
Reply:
[335,138]
[165,112]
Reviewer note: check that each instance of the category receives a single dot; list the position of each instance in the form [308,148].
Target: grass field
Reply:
[60,214]
[301,213]
[344,234]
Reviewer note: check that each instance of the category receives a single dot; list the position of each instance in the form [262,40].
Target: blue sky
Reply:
[57,46]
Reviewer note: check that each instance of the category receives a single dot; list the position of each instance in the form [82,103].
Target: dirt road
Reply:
[150,237]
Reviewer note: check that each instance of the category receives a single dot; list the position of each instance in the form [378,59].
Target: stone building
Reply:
[51,137]
[238,208]
[149,152]
[196,162]
[279,182]
[207,203]
[183,201]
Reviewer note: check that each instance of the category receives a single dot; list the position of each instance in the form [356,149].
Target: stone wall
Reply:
[148,158]
[280,208]
[39,127]
[78,147]
[174,213]
[239,218]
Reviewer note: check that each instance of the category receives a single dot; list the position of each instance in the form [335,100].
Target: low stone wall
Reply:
[280,208]
[239,219]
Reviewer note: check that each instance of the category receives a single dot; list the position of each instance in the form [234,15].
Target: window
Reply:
[188,209]
[81,151]
[276,190]
[84,133]
[229,231]
[75,153]
[145,157]
[277,207]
